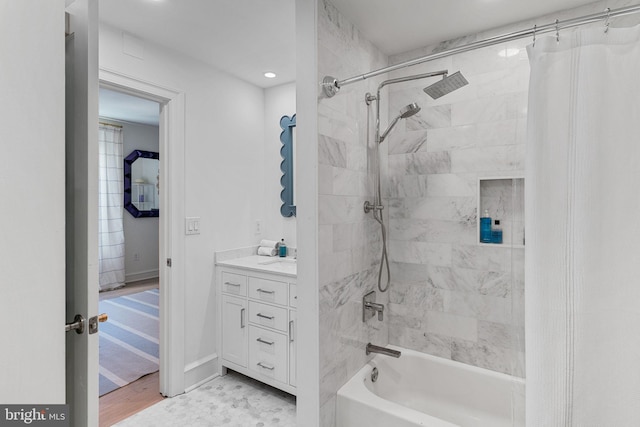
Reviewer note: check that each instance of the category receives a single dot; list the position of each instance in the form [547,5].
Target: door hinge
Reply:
[168,262]
[67,24]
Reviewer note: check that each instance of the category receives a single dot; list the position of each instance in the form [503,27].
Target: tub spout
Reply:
[382,350]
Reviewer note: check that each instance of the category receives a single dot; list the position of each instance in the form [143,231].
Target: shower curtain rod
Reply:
[331,85]
[109,124]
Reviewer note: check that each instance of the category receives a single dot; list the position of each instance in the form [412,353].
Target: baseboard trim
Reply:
[141,275]
[200,371]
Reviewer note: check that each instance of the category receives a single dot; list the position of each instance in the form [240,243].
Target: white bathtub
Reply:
[422,390]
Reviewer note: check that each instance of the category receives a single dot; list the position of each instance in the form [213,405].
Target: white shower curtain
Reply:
[583,230]
[110,210]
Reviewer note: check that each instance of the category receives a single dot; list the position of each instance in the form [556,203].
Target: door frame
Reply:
[171,237]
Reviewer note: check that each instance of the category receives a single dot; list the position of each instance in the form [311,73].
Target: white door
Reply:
[32,222]
[234,330]
[82,208]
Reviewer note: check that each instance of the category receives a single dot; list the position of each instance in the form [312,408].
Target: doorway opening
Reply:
[171,226]
[129,254]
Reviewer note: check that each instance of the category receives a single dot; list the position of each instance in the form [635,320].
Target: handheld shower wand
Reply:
[405,112]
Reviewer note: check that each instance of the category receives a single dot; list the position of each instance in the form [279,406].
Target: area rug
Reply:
[129,346]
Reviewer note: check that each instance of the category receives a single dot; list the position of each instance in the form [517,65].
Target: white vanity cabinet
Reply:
[257,324]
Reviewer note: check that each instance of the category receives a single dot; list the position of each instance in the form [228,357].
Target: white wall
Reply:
[140,234]
[224,171]
[278,101]
[32,188]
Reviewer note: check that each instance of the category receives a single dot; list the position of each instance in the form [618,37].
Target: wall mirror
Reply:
[288,125]
[142,183]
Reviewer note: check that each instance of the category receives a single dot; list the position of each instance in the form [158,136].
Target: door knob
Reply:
[77,324]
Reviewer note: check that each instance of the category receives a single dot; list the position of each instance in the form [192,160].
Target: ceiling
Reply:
[403,25]
[247,38]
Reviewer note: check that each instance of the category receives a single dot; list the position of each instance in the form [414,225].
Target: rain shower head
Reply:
[447,85]
[405,112]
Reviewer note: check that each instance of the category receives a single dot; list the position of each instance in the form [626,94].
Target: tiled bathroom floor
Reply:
[230,401]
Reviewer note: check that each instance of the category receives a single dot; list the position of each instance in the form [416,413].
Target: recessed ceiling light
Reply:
[270,75]
[509,52]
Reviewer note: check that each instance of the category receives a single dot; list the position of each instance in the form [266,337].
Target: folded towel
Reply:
[262,250]
[269,244]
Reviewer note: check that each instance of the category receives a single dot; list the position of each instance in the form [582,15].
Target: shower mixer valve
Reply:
[370,308]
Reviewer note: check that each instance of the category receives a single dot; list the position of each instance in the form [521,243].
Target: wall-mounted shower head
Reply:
[447,85]
[405,112]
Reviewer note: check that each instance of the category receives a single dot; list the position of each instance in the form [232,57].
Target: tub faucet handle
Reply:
[370,307]
[375,307]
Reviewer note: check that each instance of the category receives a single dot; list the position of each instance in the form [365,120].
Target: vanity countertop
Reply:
[284,266]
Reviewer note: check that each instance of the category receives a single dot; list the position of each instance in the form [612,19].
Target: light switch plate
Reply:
[192,225]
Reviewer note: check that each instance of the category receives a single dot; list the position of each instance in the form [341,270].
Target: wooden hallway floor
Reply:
[130,399]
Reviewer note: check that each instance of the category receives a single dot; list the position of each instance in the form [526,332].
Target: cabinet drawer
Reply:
[268,353]
[268,290]
[235,284]
[293,295]
[268,315]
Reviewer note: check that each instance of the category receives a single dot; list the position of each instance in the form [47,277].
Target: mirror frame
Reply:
[128,204]
[288,209]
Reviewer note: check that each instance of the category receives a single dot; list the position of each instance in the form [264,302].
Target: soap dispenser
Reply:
[282,249]
[485,227]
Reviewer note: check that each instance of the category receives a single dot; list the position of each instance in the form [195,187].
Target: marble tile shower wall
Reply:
[451,297]
[349,241]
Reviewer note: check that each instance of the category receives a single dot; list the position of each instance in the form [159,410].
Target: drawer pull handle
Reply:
[232,284]
[266,292]
[271,368]
[290,330]
[265,342]
[264,316]
[242,318]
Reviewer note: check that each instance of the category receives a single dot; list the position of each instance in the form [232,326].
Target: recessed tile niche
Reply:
[503,197]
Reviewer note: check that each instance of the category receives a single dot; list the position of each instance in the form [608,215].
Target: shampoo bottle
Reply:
[282,249]
[485,227]
[496,232]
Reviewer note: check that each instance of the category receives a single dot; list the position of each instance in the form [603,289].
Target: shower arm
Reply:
[369,97]
[377,202]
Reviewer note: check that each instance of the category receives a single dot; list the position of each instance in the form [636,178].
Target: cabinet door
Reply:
[293,344]
[234,330]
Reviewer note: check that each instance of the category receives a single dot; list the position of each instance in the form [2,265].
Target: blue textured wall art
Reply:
[287,124]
